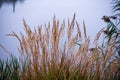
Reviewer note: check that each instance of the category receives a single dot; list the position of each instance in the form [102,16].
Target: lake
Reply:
[37,12]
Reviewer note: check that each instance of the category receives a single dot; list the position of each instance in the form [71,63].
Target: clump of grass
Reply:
[10,69]
[51,52]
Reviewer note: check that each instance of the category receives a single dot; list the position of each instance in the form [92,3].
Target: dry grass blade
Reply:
[4,49]
[84,27]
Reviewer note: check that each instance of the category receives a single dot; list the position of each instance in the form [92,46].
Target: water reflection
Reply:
[13,2]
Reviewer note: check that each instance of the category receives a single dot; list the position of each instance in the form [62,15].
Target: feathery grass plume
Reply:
[78,30]
[98,36]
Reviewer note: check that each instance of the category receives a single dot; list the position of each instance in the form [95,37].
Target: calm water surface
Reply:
[37,12]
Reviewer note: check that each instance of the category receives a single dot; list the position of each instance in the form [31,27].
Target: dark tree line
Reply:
[13,2]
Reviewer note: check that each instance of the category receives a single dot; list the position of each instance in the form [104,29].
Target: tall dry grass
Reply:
[52,52]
